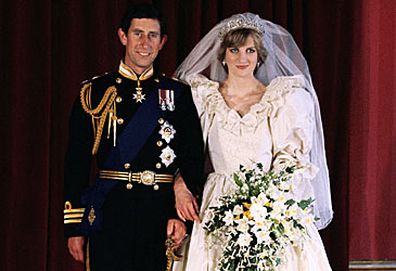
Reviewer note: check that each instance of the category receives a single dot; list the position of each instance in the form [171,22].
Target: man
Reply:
[144,132]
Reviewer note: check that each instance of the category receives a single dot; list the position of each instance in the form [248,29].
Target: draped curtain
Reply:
[372,136]
[48,47]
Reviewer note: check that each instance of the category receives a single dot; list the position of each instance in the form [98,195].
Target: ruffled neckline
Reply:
[256,107]
[272,99]
[268,104]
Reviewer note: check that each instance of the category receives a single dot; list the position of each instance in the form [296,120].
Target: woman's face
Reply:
[241,61]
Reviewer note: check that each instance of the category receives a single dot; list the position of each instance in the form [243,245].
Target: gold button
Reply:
[156,187]
[158,165]
[118,99]
[118,80]
[161,121]
[120,121]
[127,166]
[159,143]
[129,186]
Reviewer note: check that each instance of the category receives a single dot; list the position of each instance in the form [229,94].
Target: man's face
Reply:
[142,43]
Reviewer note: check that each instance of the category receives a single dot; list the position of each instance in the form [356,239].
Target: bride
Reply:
[257,104]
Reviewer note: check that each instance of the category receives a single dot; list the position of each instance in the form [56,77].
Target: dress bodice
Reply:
[235,140]
[277,124]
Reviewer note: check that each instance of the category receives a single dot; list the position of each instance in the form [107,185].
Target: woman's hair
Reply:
[237,38]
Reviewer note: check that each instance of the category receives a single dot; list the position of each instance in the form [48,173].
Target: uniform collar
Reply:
[127,72]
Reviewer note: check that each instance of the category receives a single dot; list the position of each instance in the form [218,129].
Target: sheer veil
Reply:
[284,58]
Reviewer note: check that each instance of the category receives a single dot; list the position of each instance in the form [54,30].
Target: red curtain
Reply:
[372,136]
[26,118]
[48,47]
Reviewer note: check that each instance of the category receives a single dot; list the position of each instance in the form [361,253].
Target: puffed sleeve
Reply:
[206,97]
[292,129]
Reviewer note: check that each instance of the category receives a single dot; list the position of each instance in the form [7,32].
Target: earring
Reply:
[258,64]
[223,63]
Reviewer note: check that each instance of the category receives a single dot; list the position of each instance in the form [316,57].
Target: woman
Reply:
[259,105]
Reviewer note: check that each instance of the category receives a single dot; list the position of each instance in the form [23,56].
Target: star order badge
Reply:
[167,156]
[167,132]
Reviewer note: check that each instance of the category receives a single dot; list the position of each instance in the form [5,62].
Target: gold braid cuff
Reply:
[99,114]
[72,215]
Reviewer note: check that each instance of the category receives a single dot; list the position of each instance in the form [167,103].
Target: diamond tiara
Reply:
[238,23]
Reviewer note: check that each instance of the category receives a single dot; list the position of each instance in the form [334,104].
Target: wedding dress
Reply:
[276,130]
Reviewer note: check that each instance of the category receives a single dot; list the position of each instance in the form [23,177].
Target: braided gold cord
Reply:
[103,109]
[86,103]
[170,254]
[103,120]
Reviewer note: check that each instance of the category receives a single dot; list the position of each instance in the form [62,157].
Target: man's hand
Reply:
[76,247]
[186,204]
[177,231]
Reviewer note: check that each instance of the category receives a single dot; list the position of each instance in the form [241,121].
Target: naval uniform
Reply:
[130,219]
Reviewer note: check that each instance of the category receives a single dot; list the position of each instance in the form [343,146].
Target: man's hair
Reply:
[142,11]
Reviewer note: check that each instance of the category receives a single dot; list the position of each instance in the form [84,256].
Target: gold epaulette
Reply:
[71,215]
[93,78]
[99,114]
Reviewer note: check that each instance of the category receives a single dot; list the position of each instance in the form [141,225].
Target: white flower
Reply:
[281,199]
[209,215]
[258,212]
[308,218]
[292,211]
[238,210]
[278,209]
[244,239]
[285,185]
[228,218]
[245,188]
[263,237]
[261,226]
[288,227]
[273,192]
[263,199]
[254,200]
[243,224]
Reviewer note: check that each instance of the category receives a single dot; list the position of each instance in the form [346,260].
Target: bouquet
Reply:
[258,220]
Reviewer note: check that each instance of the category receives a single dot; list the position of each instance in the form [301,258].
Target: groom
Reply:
[144,131]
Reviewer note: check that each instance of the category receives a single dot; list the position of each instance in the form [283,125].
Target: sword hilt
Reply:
[170,254]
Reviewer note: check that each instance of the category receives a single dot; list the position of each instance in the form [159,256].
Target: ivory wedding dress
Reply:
[276,130]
